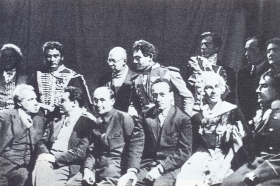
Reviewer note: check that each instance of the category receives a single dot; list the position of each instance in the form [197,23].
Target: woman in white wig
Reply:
[218,131]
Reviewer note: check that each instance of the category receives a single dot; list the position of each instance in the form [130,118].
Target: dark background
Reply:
[90,28]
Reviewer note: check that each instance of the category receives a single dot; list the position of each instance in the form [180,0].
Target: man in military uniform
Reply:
[145,58]
[49,83]
[263,167]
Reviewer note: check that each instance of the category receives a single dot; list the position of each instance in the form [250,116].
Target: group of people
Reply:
[152,127]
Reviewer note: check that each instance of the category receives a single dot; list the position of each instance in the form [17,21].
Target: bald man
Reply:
[117,140]
[119,80]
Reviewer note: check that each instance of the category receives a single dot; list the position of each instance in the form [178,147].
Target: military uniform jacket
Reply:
[171,145]
[77,145]
[142,95]
[266,145]
[118,143]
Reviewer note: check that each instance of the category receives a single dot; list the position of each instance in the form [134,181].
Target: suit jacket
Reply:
[10,123]
[77,145]
[117,145]
[142,95]
[173,145]
[247,84]
[122,96]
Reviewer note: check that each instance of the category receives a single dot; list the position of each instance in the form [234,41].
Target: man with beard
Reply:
[119,80]
[10,59]
[20,129]
[144,56]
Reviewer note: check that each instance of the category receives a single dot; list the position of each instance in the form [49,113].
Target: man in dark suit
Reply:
[118,143]
[263,150]
[248,76]
[11,74]
[20,129]
[119,80]
[168,138]
[63,148]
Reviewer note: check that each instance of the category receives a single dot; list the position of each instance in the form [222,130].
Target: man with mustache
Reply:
[263,148]
[119,80]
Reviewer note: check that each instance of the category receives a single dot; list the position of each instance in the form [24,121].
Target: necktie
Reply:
[161,118]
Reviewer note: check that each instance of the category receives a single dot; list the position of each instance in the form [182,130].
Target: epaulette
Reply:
[275,105]
[175,69]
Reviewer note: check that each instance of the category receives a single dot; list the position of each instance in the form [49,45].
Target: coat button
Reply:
[275,117]
[270,148]
[271,129]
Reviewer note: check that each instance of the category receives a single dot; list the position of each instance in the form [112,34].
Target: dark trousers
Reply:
[12,174]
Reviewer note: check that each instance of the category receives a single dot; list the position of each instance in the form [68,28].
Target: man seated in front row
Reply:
[20,129]
[63,147]
[264,160]
[118,143]
[168,139]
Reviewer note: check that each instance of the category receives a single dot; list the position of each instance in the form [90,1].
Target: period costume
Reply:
[8,83]
[118,143]
[168,142]
[264,151]
[212,143]
[214,65]
[142,97]
[247,83]
[49,86]
[18,134]
[121,85]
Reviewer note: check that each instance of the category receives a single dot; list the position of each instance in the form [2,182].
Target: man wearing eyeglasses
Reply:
[119,80]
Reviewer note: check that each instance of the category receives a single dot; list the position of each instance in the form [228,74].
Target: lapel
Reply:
[153,122]
[168,122]
[56,125]
[2,82]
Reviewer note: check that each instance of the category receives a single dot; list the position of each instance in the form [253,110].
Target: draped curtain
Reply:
[90,28]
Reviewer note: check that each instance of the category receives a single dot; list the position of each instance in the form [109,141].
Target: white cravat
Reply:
[25,118]
[9,75]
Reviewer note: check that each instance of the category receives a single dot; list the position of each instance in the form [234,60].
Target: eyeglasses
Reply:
[110,61]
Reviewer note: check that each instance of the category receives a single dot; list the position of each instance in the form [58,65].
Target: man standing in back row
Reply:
[119,80]
[144,57]
[51,81]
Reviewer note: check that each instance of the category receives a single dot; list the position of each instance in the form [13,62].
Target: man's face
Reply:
[266,93]
[162,97]
[66,104]
[207,47]
[213,91]
[102,101]
[273,54]
[141,61]
[252,52]
[8,59]
[29,103]
[116,62]
[53,59]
